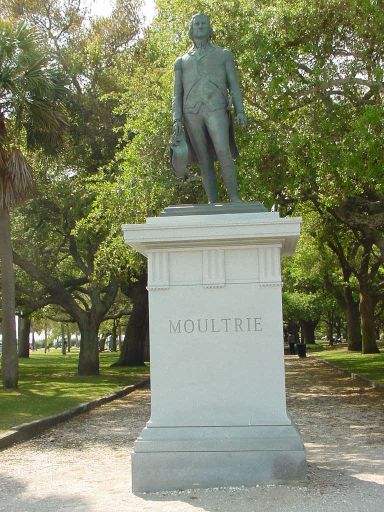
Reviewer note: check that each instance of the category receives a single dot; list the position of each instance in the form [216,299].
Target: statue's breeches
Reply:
[209,131]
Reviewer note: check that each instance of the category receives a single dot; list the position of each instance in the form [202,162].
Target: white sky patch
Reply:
[104,8]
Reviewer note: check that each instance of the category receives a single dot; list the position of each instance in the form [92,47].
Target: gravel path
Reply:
[83,465]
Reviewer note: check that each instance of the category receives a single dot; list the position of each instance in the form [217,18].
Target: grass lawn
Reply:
[315,347]
[370,366]
[48,384]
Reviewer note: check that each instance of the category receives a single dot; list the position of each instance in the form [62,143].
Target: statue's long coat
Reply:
[204,79]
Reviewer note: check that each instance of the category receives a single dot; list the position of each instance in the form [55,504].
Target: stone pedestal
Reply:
[216,339]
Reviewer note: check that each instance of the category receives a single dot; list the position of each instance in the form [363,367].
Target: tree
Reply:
[70,270]
[311,74]
[316,93]
[304,295]
[24,334]
[136,337]
[30,115]
[333,250]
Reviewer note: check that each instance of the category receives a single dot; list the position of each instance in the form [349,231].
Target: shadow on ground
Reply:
[326,491]
[17,499]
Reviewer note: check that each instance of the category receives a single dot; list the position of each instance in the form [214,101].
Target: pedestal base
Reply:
[202,457]
[218,409]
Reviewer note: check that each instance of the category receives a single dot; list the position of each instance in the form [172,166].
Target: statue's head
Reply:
[200,27]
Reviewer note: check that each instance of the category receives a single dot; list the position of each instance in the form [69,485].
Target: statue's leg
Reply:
[218,127]
[198,136]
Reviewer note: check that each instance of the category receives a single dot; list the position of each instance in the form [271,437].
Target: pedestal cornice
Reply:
[214,231]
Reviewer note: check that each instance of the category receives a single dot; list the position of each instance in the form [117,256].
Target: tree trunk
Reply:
[89,347]
[69,337]
[24,335]
[308,330]
[19,327]
[63,341]
[120,340]
[368,330]
[133,348]
[338,329]
[101,342]
[45,338]
[352,316]
[294,329]
[113,345]
[330,328]
[9,349]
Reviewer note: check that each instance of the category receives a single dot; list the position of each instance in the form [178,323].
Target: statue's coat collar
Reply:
[208,48]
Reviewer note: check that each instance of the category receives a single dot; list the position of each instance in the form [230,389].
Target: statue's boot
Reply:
[209,183]
[230,181]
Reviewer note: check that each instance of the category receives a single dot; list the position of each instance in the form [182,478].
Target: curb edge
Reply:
[353,376]
[27,431]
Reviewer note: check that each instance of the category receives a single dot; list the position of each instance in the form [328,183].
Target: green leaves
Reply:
[31,90]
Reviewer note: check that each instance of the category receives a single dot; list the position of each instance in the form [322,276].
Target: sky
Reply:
[104,7]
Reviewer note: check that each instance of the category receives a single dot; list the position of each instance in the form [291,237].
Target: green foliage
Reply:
[313,82]
[65,208]
[31,115]
[31,90]
[305,296]
[311,75]
[302,306]
[67,244]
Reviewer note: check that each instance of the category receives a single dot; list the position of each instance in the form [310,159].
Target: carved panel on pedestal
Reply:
[214,268]
[269,262]
[158,270]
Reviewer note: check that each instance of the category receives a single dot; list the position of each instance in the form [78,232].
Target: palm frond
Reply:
[3,160]
[20,172]
[7,196]
[31,90]
[16,182]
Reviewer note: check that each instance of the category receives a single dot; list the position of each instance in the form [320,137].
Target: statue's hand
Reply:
[241,119]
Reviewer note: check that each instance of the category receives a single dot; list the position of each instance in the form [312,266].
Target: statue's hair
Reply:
[190,33]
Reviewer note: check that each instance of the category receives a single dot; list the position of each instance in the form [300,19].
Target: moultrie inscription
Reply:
[215,325]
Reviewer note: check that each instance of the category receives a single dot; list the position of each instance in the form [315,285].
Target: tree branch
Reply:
[76,256]
[58,293]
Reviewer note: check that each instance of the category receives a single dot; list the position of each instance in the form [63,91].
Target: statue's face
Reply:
[201,27]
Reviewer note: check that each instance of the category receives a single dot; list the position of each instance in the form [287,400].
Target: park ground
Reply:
[49,385]
[83,465]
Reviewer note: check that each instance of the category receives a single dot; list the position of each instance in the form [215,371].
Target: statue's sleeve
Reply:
[233,82]
[177,101]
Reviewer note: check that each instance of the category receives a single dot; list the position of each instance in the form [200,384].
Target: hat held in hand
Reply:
[179,154]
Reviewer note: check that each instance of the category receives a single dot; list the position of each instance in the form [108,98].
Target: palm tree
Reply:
[31,116]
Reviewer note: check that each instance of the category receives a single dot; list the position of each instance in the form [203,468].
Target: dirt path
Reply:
[84,465]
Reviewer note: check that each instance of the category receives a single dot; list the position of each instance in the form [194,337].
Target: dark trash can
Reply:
[301,349]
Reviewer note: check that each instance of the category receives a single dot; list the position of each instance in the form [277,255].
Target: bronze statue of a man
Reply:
[203,78]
